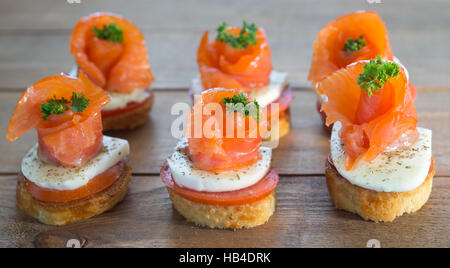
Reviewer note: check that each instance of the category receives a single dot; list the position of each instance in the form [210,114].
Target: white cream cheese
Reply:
[264,95]
[60,178]
[185,175]
[392,171]
[120,100]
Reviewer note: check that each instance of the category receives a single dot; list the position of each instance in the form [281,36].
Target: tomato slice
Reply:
[248,195]
[130,107]
[283,101]
[319,109]
[95,185]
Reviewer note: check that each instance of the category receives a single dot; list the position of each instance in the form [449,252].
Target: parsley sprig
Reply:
[54,106]
[58,106]
[241,104]
[109,32]
[376,73]
[354,44]
[246,37]
[79,102]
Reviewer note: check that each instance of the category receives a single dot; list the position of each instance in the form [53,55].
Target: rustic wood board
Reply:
[291,25]
[305,217]
[33,48]
[301,152]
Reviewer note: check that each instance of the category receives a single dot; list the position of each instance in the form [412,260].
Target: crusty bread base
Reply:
[131,119]
[225,217]
[373,205]
[284,126]
[73,211]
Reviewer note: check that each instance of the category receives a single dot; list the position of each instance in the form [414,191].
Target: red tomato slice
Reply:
[95,185]
[319,109]
[244,196]
[432,165]
[283,101]
[130,107]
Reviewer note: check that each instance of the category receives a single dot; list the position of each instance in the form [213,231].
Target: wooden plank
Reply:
[27,43]
[31,57]
[305,217]
[303,151]
[173,58]
[15,14]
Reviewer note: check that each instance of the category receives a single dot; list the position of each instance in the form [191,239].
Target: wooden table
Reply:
[34,40]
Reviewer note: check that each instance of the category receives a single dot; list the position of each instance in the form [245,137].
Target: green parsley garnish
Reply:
[54,106]
[354,44]
[59,106]
[111,33]
[79,102]
[246,37]
[376,73]
[241,104]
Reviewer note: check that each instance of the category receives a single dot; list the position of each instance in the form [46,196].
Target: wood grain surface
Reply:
[305,217]
[419,34]
[34,37]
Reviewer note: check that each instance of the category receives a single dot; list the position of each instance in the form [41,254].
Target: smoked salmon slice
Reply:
[213,148]
[119,65]
[369,123]
[70,138]
[222,65]
[353,37]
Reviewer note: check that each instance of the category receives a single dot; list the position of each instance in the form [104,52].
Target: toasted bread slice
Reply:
[373,205]
[226,217]
[73,211]
[284,126]
[131,119]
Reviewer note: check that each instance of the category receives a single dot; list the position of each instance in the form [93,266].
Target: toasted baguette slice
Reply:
[225,217]
[73,211]
[284,126]
[131,119]
[373,205]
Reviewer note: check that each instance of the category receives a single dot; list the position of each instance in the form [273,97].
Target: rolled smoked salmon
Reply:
[121,66]
[331,51]
[221,65]
[70,138]
[370,123]
[214,150]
